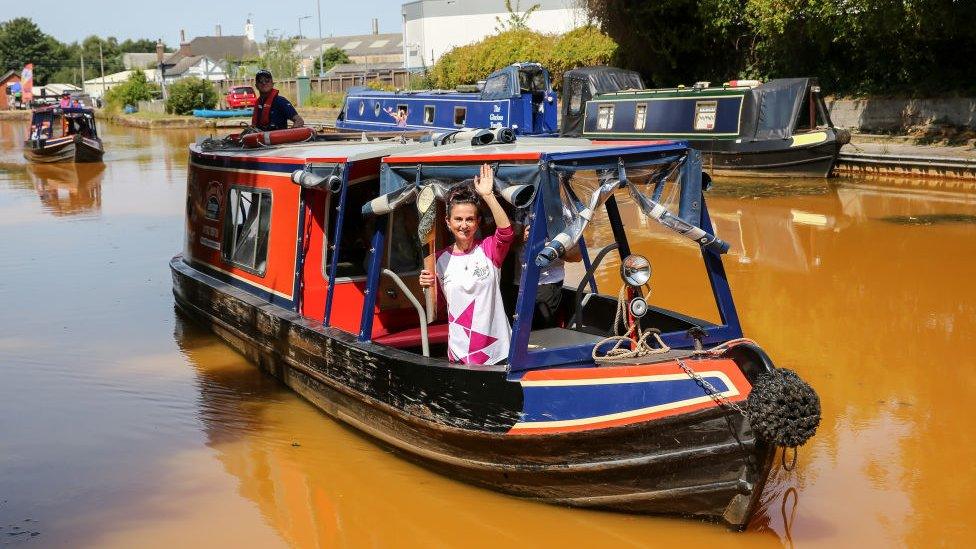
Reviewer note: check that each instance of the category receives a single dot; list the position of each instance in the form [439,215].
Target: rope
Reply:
[639,346]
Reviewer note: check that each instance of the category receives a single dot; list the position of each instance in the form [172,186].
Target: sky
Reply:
[163,19]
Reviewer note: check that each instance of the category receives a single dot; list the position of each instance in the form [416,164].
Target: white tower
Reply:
[249,29]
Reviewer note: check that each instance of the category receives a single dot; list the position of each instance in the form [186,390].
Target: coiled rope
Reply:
[639,345]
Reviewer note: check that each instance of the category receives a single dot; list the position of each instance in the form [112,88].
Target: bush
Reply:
[327,100]
[190,93]
[468,64]
[136,88]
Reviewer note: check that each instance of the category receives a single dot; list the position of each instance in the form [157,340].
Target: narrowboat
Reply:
[306,257]
[66,134]
[519,97]
[780,128]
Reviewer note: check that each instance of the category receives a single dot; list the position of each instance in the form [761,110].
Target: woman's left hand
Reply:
[484,184]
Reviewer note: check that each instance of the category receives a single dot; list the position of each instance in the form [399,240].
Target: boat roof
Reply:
[524,149]
[312,152]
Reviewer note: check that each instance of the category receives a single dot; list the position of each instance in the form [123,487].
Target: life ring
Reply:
[277,137]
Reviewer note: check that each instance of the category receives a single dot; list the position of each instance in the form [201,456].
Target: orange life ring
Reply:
[277,137]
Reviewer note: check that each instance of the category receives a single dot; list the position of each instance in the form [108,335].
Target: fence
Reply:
[397,78]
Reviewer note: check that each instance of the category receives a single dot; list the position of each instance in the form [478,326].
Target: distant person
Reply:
[400,115]
[272,111]
[65,101]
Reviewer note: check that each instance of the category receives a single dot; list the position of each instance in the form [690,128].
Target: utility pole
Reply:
[82,69]
[300,17]
[318,4]
[101,61]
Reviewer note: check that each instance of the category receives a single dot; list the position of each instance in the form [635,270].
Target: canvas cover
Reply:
[775,105]
[580,85]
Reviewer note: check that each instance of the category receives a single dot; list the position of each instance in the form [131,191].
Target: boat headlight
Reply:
[635,270]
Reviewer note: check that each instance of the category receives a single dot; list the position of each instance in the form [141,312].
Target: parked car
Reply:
[241,97]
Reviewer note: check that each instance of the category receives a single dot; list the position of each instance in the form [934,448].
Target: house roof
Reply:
[355,45]
[138,60]
[360,68]
[224,47]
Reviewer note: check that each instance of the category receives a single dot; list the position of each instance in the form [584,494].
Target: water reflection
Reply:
[68,188]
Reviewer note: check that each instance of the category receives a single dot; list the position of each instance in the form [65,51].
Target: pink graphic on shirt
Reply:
[477,341]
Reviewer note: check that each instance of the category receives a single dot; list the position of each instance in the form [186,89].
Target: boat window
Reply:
[404,252]
[604,119]
[428,114]
[640,117]
[810,116]
[497,86]
[357,232]
[246,228]
[575,96]
[532,80]
[362,107]
[376,109]
[705,115]
[460,115]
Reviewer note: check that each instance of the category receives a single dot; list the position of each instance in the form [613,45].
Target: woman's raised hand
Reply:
[484,184]
[426,279]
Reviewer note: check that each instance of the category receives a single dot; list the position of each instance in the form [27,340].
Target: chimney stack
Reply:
[376,26]
[184,45]
[218,29]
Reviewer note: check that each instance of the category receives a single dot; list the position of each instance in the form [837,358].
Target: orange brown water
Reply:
[122,424]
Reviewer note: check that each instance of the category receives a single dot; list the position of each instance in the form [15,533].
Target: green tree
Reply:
[190,93]
[516,20]
[279,57]
[330,58]
[136,88]
[22,42]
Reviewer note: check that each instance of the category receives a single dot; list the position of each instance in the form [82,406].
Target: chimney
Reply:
[376,26]
[184,45]
[218,29]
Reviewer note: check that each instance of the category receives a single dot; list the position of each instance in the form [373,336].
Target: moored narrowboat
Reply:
[780,128]
[519,97]
[306,258]
[66,134]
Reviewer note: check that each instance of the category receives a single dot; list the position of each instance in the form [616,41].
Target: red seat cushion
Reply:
[436,333]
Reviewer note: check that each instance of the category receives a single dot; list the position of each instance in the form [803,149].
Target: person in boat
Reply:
[400,115]
[469,273]
[65,101]
[272,111]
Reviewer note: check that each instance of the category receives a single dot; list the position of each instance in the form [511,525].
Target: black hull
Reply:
[703,464]
[750,160]
[77,150]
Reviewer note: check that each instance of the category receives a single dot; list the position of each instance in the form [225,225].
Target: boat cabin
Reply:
[330,231]
[55,122]
[519,97]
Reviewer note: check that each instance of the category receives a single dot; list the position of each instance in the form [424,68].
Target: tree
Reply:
[136,88]
[516,20]
[330,58]
[190,93]
[22,42]
[279,57]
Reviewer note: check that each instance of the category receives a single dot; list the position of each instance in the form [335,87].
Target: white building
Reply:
[433,27]
[96,87]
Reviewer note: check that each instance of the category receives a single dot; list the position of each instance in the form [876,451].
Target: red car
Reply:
[241,97]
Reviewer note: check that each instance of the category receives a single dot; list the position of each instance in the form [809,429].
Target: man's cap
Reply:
[262,72]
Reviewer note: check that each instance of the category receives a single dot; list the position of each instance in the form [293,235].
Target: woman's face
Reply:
[463,221]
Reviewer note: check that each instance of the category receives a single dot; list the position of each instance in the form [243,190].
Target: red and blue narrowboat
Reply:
[65,134]
[306,259]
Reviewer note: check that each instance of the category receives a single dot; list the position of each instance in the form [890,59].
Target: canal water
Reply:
[123,424]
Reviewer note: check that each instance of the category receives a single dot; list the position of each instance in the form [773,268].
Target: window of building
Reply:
[640,117]
[604,118]
[428,114]
[460,115]
[246,228]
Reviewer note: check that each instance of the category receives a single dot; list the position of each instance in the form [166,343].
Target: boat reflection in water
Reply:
[68,189]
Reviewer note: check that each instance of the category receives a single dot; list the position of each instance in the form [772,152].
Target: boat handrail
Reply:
[425,346]
[578,313]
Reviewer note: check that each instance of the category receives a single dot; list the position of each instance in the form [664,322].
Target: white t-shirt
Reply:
[478,330]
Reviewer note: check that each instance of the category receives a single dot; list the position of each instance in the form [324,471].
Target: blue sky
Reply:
[71,21]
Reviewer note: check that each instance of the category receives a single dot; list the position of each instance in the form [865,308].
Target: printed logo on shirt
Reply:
[481,271]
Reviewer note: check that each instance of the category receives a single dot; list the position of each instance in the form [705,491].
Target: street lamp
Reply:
[318,6]
[300,25]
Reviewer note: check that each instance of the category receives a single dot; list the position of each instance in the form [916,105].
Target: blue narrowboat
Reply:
[780,128]
[519,97]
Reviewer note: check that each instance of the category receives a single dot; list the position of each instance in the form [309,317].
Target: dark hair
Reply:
[462,193]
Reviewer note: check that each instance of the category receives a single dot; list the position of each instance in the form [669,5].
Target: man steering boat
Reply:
[272,111]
